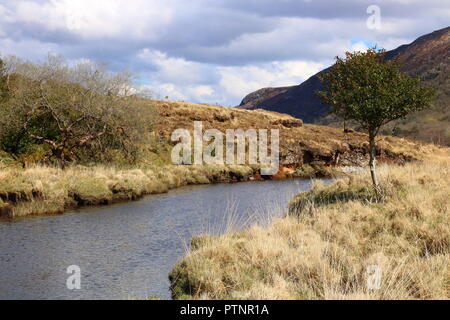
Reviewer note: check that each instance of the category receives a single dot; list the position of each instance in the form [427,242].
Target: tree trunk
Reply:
[372,161]
[58,153]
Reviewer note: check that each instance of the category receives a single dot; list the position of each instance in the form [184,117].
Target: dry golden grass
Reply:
[322,249]
[45,190]
[299,143]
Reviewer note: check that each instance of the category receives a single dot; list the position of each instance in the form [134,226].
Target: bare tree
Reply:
[69,108]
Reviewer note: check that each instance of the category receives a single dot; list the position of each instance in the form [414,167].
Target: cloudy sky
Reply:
[213,51]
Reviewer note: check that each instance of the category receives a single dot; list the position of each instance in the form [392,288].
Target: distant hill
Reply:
[427,57]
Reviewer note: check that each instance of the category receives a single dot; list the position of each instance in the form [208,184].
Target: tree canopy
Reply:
[3,82]
[371,90]
[70,109]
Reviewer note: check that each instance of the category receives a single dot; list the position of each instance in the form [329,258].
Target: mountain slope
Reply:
[299,101]
[427,57]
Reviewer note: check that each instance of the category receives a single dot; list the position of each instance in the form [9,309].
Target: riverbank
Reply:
[305,151]
[46,190]
[323,248]
[129,248]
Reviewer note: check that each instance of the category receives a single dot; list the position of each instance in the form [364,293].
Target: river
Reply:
[126,251]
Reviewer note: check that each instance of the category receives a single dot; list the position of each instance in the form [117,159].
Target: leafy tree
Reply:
[3,82]
[10,141]
[371,90]
[73,108]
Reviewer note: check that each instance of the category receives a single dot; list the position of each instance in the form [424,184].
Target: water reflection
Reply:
[127,250]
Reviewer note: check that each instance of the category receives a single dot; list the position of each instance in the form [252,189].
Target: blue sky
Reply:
[212,51]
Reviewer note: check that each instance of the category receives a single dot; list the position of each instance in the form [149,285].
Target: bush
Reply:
[72,110]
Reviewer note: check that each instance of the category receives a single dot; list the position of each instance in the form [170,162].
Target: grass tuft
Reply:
[44,190]
[326,253]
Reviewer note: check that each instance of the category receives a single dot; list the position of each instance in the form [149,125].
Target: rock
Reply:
[252,99]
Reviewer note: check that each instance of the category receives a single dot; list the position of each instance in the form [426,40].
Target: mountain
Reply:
[427,57]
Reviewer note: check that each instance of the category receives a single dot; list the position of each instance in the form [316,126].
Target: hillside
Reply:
[427,57]
[299,143]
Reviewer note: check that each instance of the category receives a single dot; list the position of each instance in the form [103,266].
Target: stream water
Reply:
[127,250]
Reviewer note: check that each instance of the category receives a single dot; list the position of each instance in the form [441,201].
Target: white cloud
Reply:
[181,80]
[97,18]
[210,51]
[201,92]
[168,90]
[239,81]
[359,46]
[29,49]
[174,70]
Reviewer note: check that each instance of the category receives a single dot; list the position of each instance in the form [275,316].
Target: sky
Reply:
[212,51]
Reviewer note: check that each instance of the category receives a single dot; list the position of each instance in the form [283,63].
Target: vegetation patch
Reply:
[46,190]
[320,195]
[326,253]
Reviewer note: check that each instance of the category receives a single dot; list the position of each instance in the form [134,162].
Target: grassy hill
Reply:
[300,143]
